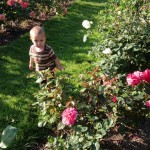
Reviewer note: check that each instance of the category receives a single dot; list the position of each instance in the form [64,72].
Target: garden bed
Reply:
[8,35]
[129,140]
[116,139]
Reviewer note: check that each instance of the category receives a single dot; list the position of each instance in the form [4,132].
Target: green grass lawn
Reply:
[64,35]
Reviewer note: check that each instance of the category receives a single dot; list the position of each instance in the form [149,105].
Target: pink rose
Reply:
[32,14]
[69,116]
[146,75]
[24,4]
[2,17]
[114,99]
[10,2]
[134,78]
[147,103]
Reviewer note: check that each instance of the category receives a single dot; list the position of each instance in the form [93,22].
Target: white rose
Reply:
[59,105]
[107,51]
[87,24]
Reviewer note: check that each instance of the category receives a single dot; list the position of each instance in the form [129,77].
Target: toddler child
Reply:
[42,56]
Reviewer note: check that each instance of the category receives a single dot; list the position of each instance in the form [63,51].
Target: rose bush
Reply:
[82,120]
[123,27]
[78,120]
[14,12]
[106,97]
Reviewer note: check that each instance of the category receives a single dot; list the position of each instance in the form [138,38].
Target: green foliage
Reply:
[124,27]
[121,40]
[16,92]
[131,103]
[96,111]
[101,102]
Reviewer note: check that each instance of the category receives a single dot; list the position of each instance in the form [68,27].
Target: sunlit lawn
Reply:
[64,35]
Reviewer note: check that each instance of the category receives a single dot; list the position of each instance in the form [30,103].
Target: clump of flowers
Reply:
[69,116]
[147,103]
[2,17]
[134,78]
[32,14]
[114,99]
[137,77]
[107,51]
[10,2]
[24,4]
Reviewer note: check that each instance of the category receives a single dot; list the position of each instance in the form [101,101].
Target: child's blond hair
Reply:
[37,30]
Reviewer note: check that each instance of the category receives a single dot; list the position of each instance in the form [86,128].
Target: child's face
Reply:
[38,40]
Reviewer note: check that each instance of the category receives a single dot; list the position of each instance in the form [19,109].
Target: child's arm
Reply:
[57,61]
[31,63]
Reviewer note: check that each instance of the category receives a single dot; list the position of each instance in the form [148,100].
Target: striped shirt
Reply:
[43,60]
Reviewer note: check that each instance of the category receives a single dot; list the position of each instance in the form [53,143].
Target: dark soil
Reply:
[129,139]
[8,35]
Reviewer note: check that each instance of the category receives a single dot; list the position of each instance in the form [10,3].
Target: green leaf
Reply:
[89,135]
[74,139]
[98,136]
[80,128]
[97,145]
[87,144]
[30,75]
[103,132]
[60,126]
[110,122]
[105,124]
[97,126]
[39,80]
[81,139]
[83,90]
[8,136]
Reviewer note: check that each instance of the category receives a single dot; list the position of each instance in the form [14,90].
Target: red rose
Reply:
[10,2]
[69,116]
[2,17]
[32,14]
[134,78]
[114,99]
[24,4]
[147,103]
[146,75]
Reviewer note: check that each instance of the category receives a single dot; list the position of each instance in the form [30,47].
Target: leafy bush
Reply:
[96,111]
[123,27]
[82,119]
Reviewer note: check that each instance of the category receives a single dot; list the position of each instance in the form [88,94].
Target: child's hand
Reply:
[61,67]
[30,67]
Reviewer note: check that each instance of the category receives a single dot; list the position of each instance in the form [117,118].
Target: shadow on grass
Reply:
[65,35]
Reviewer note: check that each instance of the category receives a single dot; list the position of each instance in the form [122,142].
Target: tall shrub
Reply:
[124,28]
